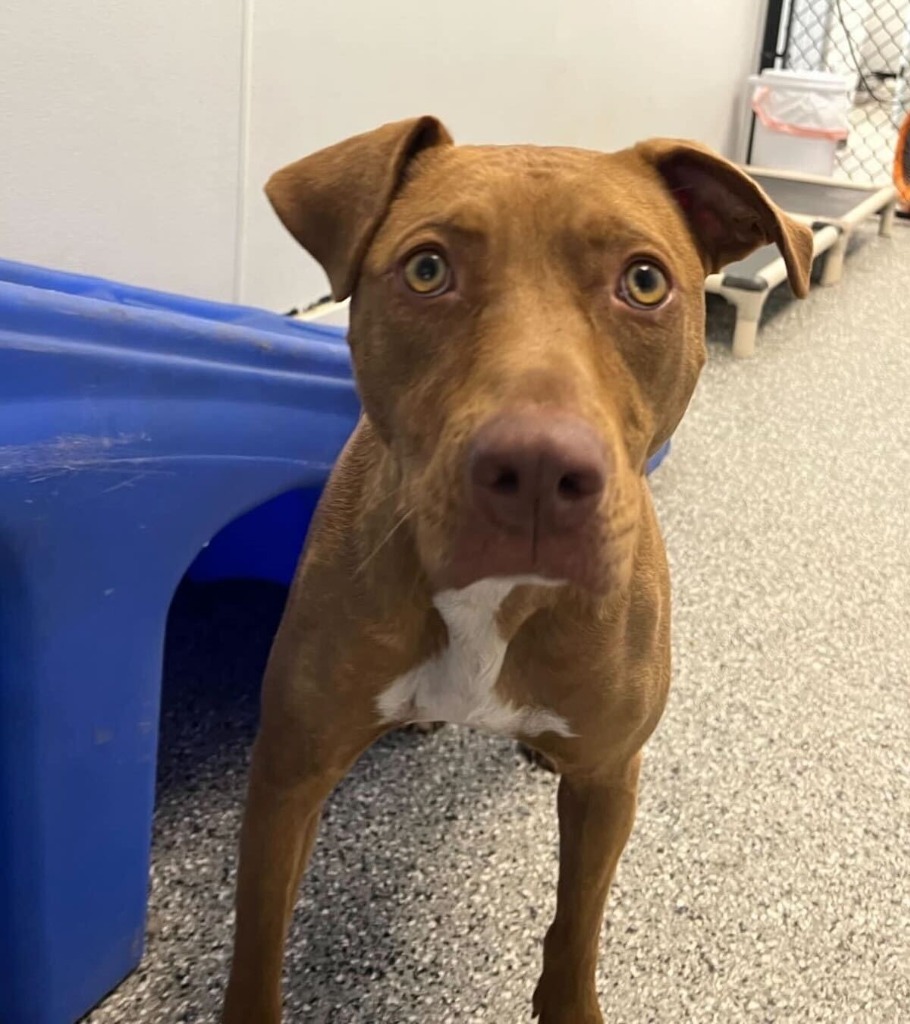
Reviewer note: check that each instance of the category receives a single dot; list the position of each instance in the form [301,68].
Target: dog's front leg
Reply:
[595,819]
[293,771]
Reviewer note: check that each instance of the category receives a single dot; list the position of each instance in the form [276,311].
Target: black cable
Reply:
[863,80]
[788,34]
[769,55]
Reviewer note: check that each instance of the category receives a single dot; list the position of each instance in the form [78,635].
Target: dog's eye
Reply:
[427,272]
[644,284]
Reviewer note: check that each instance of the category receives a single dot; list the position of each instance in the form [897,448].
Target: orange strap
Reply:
[835,134]
[902,161]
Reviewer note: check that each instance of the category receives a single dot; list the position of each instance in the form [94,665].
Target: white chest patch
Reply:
[458,684]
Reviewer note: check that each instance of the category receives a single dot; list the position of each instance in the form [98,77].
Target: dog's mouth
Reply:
[595,559]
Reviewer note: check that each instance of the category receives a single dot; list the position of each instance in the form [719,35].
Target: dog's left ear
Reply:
[729,215]
[334,201]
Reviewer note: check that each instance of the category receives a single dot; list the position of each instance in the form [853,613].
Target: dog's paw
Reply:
[535,758]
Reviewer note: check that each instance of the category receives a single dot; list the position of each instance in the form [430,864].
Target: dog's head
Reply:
[527,327]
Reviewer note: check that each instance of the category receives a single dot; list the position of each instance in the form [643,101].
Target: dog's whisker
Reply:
[385,540]
[393,492]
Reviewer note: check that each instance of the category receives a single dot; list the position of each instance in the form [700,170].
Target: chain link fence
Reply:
[868,41]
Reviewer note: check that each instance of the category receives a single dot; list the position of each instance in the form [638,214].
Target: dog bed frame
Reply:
[747,284]
[844,204]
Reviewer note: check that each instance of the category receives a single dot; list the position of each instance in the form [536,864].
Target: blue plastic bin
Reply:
[133,426]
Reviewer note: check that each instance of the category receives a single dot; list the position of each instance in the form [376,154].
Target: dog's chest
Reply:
[458,685]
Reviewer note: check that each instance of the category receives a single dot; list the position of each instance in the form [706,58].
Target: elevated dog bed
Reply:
[826,201]
[833,209]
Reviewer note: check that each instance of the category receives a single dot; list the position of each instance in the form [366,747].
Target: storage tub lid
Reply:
[811,81]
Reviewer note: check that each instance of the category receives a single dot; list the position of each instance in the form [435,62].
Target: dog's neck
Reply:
[458,684]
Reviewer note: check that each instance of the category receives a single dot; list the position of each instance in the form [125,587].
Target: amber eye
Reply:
[644,284]
[427,272]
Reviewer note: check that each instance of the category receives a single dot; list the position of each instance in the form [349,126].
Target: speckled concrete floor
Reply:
[769,875]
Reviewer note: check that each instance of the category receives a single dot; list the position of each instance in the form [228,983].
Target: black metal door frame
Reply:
[774,48]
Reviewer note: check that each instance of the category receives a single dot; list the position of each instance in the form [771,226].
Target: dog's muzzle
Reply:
[535,483]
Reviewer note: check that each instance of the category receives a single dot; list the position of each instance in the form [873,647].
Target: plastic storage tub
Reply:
[133,426]
[800,118]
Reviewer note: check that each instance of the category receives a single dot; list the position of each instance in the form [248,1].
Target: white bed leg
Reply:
[744,335]
[833,269]
[749,306]
[886,220]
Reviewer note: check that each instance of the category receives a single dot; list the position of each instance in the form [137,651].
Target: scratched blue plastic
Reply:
[134,427]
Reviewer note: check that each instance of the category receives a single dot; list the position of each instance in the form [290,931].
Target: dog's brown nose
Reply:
[534,471]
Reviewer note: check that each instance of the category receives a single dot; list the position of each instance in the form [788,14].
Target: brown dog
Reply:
[527,327]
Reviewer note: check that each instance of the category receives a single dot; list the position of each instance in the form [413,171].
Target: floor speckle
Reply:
[768,879]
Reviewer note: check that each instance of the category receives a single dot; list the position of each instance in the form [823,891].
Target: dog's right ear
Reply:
[334,201]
